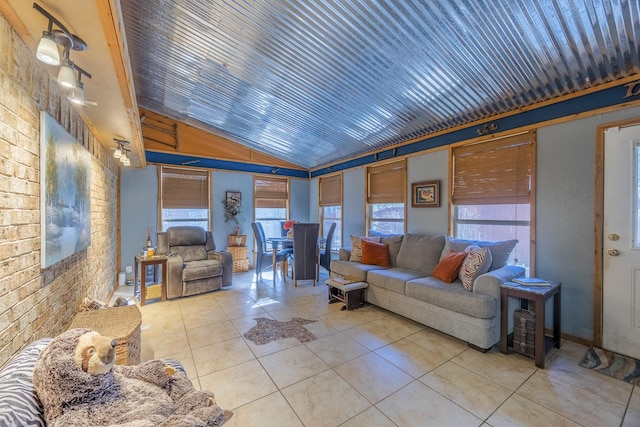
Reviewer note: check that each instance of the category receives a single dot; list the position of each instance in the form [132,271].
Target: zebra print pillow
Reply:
[19,405]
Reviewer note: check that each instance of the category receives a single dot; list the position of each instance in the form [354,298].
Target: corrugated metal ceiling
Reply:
[313,82]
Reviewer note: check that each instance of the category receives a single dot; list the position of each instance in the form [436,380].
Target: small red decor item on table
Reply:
[288,225]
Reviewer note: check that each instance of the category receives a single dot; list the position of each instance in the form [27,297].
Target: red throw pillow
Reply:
[375,253]
[448,268]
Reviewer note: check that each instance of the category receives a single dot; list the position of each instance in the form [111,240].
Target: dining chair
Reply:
[305,252]
[264,257]
[325,253]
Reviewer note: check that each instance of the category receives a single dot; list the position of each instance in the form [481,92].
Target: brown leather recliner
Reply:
[193,266]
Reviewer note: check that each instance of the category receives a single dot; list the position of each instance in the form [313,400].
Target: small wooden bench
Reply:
[349,292]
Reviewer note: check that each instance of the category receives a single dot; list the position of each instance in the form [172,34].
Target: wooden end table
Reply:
[142,262]
[536,295]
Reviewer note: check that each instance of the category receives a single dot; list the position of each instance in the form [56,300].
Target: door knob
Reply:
[613,237]
[613,252]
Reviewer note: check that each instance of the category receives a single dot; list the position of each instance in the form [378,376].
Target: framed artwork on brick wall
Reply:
[65,198]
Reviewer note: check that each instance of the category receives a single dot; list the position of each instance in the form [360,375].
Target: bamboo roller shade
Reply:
[331,190]
[386,183]
[495,172]
[271,192]
[185,189]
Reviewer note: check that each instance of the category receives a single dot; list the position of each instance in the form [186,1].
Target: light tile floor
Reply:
[368,367]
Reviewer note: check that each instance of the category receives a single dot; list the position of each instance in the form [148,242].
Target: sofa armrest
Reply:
[226,259]
[344,254]
[489,283]
[175,265]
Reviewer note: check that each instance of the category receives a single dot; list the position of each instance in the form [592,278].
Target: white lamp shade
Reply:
[118,153]
[77,94]
[48,50]
[66,76]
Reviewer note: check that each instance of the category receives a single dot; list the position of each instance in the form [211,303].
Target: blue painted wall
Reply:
[138,210]
[428,167]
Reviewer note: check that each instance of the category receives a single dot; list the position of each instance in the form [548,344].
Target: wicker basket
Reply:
[237,239]
[119,323]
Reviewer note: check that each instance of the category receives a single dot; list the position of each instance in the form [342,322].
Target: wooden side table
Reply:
[536,295]
[142,262]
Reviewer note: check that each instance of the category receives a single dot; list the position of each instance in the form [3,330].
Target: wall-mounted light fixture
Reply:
[48,53]
[122,152]
[487,128]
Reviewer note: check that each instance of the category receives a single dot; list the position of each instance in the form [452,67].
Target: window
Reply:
[331,207]
[386,192]
[184,197]
[271,197]
[492,193]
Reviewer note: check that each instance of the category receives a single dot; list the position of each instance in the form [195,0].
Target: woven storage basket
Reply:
[241,265]
[237,239]
[119,323]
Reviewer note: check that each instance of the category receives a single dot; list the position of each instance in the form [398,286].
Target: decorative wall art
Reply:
[65,184]
[425,194]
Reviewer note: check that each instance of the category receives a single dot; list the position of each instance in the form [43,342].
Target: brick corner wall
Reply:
[35,302]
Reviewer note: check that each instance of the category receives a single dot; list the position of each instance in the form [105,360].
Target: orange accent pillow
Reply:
[375,253]
[448,268]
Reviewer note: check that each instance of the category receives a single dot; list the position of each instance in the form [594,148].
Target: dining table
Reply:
[277,242]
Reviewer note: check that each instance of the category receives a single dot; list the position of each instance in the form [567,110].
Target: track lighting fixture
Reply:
[48,53]
[121,152]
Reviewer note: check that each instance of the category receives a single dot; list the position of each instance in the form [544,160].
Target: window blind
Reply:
[386,183]
[185,188]
[271,192]
[493,172]
[331,190]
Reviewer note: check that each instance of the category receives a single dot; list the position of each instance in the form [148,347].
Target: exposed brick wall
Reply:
[36,303]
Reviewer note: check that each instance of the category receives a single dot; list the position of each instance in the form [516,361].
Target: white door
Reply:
[621,264]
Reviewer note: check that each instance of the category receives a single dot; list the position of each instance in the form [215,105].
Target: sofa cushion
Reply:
[452,297]
[393,279]
[455,245]
[393,240]
[375,253]
[420,252]
[195,270]
[356,246]
[19,404]
[352,270]
[190,253]
[476,262]
[500,252]
[448,268]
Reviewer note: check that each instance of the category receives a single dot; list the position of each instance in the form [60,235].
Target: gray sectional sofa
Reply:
[407,287]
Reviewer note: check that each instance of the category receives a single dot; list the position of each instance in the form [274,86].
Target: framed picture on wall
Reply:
[234,197]
[425,194]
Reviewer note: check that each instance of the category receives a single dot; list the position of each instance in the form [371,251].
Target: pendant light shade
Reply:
[66,75]
[118,153]
[77,94]
[48,49]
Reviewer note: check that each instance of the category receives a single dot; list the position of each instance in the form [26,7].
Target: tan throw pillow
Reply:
[448,268]
[477,262]
[356,246]
[374,253]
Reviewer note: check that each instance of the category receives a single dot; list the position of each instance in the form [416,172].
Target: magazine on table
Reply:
[531,281]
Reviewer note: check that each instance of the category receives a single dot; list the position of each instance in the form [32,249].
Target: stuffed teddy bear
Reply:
[79,384]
